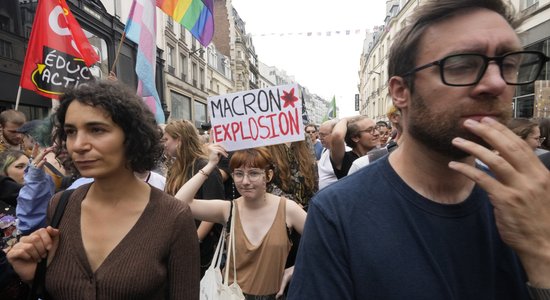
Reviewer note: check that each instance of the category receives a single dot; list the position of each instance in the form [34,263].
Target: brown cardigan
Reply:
[157,259]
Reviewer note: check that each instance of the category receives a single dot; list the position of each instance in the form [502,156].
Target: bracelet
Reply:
[203,173]
[538,293]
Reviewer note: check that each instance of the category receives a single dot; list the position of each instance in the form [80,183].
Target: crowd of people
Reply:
[447,199]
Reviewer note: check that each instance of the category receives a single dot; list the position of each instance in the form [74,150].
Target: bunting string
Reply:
[318,33]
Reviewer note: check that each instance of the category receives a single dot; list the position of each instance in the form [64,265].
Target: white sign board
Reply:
[256,118]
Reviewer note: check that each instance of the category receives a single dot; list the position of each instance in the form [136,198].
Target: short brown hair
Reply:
[12,115]
[353,131]
[253,157]
[404,49]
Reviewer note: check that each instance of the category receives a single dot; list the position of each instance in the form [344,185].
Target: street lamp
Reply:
[194,51]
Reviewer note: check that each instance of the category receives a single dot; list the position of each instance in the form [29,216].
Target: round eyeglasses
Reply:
[253,175]
[370,130]
[466,69]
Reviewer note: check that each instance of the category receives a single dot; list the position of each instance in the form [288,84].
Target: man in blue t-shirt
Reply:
[424,222]
[313,132]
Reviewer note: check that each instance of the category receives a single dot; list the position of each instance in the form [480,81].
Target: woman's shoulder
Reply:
[167,202]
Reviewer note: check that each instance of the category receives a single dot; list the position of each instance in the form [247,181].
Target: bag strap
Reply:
[228,223]
[231,248]
[39,280]
[218,254]
[60,209]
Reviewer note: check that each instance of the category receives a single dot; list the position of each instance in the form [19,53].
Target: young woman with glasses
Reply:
[262,221]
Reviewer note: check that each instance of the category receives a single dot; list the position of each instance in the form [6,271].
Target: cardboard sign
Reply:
[256,118]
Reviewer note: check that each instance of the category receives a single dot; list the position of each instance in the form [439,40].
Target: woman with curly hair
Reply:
[186,156]
[119,237]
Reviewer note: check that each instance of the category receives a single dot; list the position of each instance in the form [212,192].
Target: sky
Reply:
[327,65]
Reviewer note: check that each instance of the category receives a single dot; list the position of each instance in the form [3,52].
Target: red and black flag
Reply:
[58,54]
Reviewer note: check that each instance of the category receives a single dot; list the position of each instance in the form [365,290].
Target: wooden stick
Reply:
[118,52]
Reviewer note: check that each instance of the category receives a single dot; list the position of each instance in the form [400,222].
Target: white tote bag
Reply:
[212,287]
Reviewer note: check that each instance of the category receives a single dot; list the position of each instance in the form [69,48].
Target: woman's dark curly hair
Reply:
[141,135]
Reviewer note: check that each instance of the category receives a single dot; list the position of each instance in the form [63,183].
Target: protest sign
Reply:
[256,118]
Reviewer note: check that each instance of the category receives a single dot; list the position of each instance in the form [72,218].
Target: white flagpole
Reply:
[18,97]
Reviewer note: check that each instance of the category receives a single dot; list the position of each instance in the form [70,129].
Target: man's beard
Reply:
[436,130]
[12,142]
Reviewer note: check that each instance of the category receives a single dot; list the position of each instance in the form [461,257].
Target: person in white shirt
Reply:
[324,167]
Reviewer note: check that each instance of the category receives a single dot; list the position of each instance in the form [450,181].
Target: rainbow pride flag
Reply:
[195,15]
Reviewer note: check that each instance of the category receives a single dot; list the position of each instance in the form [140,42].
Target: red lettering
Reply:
[262,126]
[226,135]
[294,122]
[216,132]
[283,123]
[253,126]
[243,136]
[235,127]
[274,132]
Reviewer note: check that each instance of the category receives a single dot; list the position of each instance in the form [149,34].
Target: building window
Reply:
[529,3]
[6,49]
[194,70]
[212,58]
[170,23]
[170,59]
[170,55]
[100,47]
[200,113]
[184,71]
[181,106]
[5,23]
[252,78]
[201,78]
[183,33]
[227,68]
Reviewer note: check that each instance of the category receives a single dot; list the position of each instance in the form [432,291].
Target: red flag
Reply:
[58,54]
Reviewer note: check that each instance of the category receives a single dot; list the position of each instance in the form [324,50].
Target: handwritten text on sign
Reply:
[256,118]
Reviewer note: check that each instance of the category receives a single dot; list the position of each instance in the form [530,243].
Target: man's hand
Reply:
[519,192]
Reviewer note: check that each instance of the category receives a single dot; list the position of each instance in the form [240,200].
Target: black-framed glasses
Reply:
[369,130]
[310,132]
[466,69]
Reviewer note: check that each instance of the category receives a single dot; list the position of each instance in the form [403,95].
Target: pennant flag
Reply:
[195,15]
[331,113]
[141,29]
[305,115]
[58,54]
